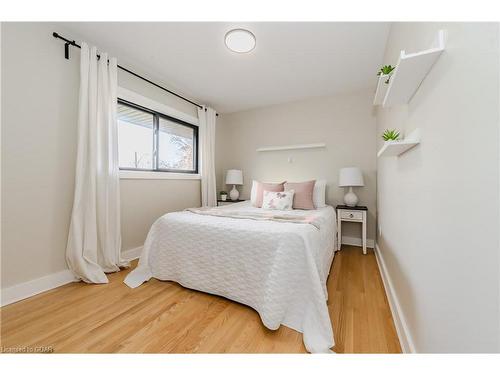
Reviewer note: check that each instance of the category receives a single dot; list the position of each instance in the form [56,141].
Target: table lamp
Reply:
[234,177]
[349,177]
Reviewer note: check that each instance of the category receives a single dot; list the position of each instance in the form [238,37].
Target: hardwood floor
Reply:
[163,317]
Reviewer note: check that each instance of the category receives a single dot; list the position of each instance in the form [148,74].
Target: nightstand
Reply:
[355,214]
[220,202]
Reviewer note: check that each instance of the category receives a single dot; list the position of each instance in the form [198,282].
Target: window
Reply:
[135,138]
[151,141]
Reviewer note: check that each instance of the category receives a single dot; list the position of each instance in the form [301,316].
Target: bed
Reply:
[276,264]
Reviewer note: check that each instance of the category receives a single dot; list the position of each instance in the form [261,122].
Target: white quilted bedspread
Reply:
[279,269]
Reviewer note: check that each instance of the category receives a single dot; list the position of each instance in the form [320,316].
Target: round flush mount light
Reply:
[240,40]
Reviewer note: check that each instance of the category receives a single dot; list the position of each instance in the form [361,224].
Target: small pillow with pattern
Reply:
[278,200]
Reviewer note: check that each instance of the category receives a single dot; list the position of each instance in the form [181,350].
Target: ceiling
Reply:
[292,60]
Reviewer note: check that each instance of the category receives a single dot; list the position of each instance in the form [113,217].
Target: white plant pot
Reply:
[223,197]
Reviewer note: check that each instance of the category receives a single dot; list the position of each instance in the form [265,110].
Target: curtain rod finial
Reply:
[66,51]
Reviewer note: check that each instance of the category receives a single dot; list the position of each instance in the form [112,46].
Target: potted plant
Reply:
[386,70]
[223,195]
[390,135]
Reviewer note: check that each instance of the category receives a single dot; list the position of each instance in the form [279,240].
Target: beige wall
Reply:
[39,113]
[438,203]
[346,124]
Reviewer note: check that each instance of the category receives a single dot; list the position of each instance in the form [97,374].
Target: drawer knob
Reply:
[351,215]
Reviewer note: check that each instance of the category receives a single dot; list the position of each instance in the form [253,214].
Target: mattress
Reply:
[277,268]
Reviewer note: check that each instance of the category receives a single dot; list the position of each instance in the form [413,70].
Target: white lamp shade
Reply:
[351,176]
[234,177]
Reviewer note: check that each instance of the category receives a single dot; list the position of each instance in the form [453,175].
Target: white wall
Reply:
[346,123]
[39,114]
[438,203]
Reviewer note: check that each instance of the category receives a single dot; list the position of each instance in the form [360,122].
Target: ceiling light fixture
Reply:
[240,40]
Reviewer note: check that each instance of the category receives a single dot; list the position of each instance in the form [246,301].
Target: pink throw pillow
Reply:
[303,198]
[261,186]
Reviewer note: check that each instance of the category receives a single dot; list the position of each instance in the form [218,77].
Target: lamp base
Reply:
[350,199]
[234,194]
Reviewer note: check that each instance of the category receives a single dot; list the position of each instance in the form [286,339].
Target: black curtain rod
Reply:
[74,44]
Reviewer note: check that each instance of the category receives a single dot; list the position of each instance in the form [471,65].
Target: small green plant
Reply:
[386,69]
[390,135]
[223,193]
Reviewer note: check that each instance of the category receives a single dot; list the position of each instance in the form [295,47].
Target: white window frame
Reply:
[148,175]
[143,101]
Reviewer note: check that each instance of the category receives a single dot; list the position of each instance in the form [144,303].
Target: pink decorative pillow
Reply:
[261,186]
[303,198]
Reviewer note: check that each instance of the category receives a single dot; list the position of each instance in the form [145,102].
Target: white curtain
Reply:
[94,240]
[207,118]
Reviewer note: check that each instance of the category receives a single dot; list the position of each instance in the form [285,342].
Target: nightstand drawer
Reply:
[354,215]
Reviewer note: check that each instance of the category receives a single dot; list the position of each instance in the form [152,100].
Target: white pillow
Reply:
[278,200]
[319,194]
[253,193]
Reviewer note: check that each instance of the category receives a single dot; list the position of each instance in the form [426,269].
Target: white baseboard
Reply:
[405,338]
[30,288]
[355,241]
[132,254]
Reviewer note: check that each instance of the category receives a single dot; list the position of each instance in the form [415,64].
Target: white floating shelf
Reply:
[396,148]
[381,89]
[410,71]
[291,147]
